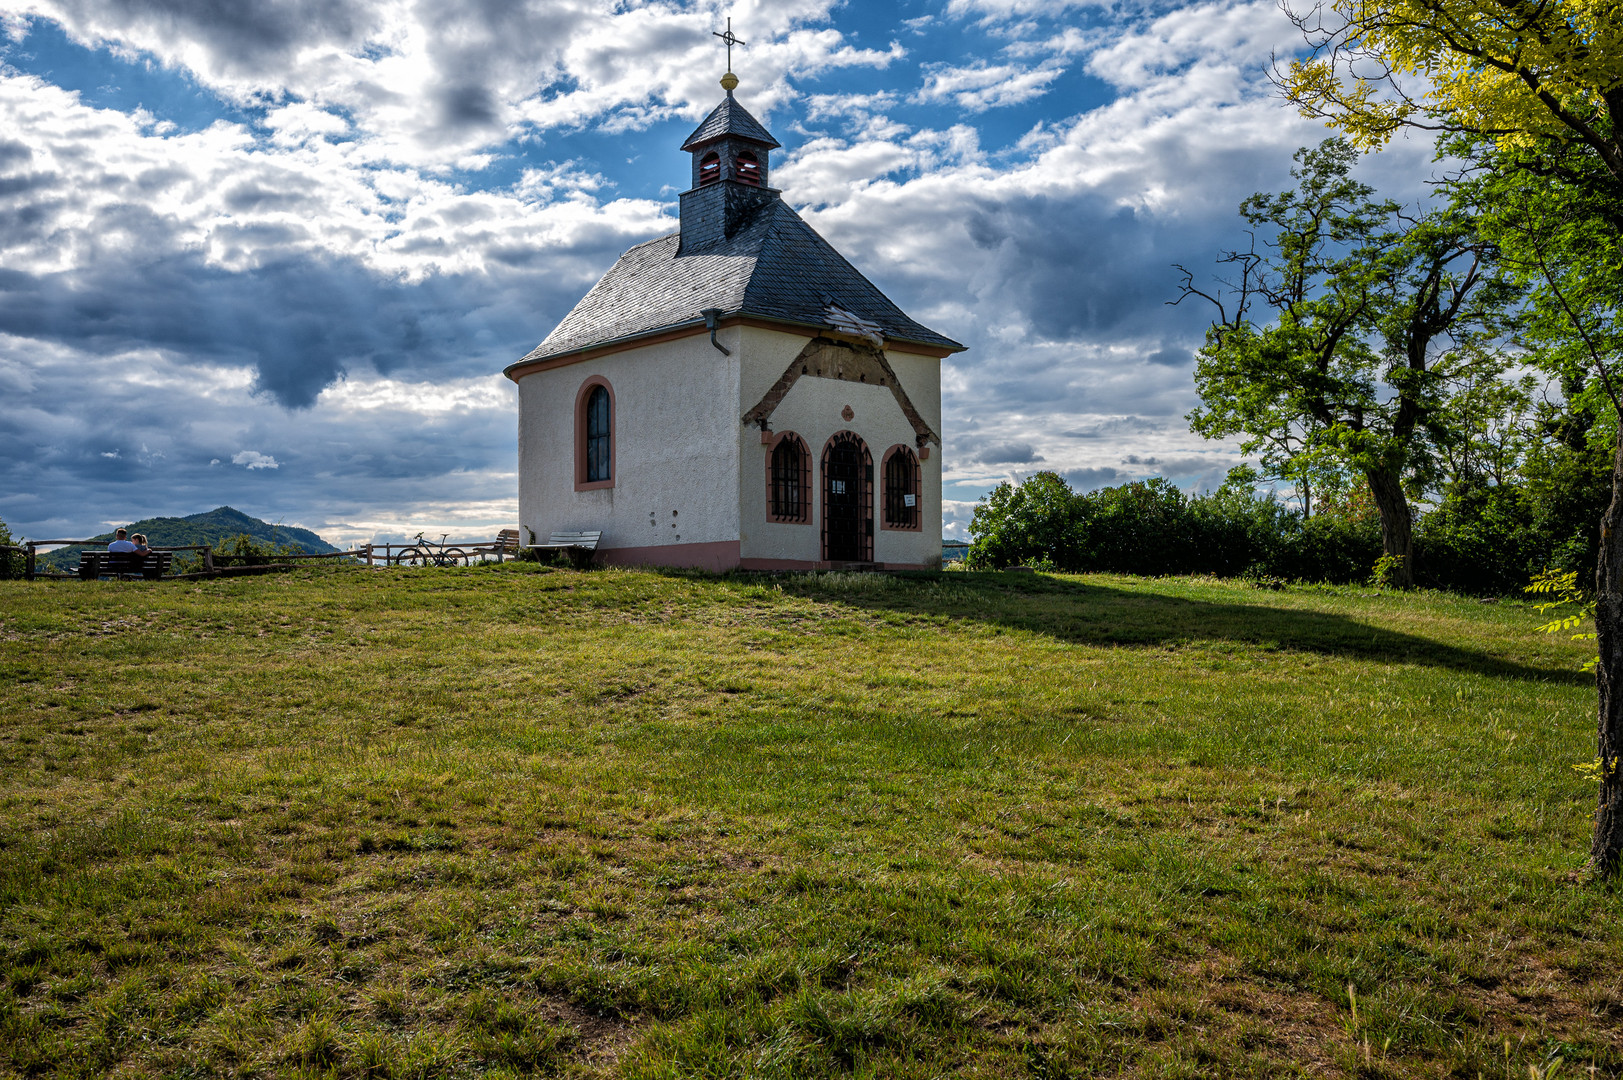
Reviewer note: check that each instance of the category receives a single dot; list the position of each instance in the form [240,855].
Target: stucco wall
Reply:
[812,409]
[675,447]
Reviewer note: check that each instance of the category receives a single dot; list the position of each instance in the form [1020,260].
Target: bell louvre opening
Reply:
[747,169]
[709,168]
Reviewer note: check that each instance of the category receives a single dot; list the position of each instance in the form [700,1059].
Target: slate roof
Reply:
[775,267]
[730,118]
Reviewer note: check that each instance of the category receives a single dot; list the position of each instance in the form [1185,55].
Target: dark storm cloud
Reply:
[1092,479]
[1170,357]
[252,39]
[1080,267]
[1009,454]
[299,323]
[91,448]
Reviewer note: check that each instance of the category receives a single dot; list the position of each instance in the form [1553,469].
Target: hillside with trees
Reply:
[214,527]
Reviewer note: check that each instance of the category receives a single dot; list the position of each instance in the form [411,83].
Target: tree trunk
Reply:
[1607,845]
[1397,527]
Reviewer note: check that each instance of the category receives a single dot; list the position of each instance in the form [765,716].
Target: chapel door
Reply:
[847,500]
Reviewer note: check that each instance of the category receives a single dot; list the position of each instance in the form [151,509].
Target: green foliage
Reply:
[1480,539]
[1375,354]
[1573,606]
[1150,527]
[13,564]
[1036,523]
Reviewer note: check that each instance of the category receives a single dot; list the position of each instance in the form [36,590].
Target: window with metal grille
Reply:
[598,430]
[747,169]
[902,510]
[709,168]
[789,480]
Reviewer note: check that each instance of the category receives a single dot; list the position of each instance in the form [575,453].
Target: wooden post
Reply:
[208,560]
[28,571]
[369,553]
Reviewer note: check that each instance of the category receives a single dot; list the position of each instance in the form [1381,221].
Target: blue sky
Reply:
[276,255]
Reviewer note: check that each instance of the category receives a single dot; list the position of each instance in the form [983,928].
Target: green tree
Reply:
[1561,231]
[1542,82]
[1038,521]
[1379,324]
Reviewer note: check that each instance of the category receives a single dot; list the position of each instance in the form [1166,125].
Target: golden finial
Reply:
[729,82]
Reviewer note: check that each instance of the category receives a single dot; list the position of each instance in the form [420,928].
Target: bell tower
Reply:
[731,171]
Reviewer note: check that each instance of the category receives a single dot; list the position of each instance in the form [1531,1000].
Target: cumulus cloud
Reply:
[433,85]
[299,266]
[253,459]
[981,86]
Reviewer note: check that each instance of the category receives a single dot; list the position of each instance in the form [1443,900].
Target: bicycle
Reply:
[428,553]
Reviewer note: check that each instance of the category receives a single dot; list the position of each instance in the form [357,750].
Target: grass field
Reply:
[508,820]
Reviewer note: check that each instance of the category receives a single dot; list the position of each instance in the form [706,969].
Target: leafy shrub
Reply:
[1038,523]
[1141,528]
[1150,527]
[13,564]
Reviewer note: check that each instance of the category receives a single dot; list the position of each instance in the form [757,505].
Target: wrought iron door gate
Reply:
[847,500]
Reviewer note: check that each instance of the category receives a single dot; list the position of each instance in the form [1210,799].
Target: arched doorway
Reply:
[847,499]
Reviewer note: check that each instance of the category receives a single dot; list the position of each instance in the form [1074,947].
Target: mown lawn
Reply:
[501,821]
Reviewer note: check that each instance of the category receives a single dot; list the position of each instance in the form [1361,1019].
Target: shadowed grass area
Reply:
[500,821]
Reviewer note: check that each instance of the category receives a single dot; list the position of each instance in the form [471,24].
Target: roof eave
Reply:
[698,326]
[616,344]
[698,144]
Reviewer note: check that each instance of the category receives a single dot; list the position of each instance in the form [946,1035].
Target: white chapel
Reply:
[735,395]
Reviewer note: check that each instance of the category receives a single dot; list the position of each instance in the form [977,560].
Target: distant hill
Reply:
[210,528]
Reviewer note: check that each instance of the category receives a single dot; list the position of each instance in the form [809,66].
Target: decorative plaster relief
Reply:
[826,358]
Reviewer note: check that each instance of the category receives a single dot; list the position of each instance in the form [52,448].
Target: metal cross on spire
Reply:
[731,39]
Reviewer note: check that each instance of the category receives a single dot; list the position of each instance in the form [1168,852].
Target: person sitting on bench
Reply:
[121,542]
[140,542]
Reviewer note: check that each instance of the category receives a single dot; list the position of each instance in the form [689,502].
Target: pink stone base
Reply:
[716,556]
[720,556]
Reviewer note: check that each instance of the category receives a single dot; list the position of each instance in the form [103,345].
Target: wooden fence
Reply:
[219,564]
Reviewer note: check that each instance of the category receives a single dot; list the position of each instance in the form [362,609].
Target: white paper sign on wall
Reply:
[910,500]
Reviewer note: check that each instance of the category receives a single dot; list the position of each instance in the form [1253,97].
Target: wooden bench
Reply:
[580,546]
[122,564]
[506,543]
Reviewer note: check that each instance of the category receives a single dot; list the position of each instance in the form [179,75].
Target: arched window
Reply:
[709,168]
[748,169]
[594,435]
[597,435]
[789,480]
[902,496]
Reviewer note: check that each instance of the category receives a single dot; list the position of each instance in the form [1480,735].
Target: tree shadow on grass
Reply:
[1086,613]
